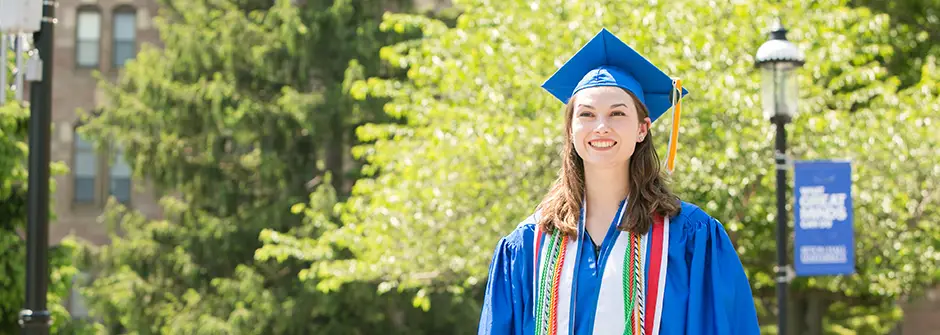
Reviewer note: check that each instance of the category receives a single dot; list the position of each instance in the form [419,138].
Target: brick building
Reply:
[101,35]
[93,36]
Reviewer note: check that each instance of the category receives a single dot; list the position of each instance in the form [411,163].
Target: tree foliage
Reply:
[479,145]
[919,19]
[241,114]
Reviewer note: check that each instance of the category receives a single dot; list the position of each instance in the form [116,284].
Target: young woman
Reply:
[610,250]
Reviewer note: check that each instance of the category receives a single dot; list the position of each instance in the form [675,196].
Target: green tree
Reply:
[480,144]
[919,19]
[14,119]
[243,113]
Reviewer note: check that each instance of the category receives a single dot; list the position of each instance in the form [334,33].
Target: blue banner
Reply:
[824,237]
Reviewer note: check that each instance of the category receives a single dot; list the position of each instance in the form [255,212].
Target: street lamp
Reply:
[778,58]
[36,17]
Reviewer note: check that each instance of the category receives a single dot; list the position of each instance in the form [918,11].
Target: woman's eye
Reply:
[618,113]
[585,114]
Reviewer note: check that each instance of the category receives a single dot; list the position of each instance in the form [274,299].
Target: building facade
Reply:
[93,35]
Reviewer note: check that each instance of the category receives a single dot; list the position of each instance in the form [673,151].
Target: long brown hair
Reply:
[561,207]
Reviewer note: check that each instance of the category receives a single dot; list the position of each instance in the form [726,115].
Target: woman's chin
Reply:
[605,162]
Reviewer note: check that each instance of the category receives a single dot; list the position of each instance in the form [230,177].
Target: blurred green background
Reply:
[347,166]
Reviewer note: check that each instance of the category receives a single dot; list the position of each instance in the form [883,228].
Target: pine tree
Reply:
[241,114]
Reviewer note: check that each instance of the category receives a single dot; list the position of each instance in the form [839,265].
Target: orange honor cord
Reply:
[553,319]
[674,136]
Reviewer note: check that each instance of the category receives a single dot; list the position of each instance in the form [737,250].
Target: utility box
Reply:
[20,16]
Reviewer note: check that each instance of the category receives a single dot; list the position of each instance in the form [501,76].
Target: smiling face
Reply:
[606,126]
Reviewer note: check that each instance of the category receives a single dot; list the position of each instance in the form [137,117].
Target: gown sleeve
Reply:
[502,312]
[720,299]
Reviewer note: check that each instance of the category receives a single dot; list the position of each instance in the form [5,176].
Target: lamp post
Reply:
[778,58]
[36,17]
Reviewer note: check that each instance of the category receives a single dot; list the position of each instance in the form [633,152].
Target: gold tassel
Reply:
[674,136]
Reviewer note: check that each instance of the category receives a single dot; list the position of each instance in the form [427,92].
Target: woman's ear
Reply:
[643,129]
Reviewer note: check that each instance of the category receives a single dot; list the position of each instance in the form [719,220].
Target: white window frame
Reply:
[87,36]
[120,169]
[123,36]
[82,148]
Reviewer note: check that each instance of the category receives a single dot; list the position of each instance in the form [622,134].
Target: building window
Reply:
[120,178]
[84,171]
[88,36]
[125,35]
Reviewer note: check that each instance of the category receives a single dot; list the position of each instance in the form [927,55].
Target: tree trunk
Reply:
[334,154]
[816,308]
[796,310]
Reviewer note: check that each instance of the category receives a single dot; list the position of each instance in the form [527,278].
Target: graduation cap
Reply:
[606,61]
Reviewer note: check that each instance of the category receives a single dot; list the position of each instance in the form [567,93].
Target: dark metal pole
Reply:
[35,317]
[782,268]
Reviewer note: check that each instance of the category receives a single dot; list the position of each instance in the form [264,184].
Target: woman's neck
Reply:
[605,187]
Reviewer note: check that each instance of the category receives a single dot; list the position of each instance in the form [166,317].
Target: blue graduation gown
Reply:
[707,291]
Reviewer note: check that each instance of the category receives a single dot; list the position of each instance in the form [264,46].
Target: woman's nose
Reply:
[602,127]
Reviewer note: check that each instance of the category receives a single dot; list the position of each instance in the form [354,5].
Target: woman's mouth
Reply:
[602,144]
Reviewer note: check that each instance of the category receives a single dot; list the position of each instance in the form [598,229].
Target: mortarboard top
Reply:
[606,61]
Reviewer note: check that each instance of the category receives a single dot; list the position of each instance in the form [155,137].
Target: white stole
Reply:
[609,315]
